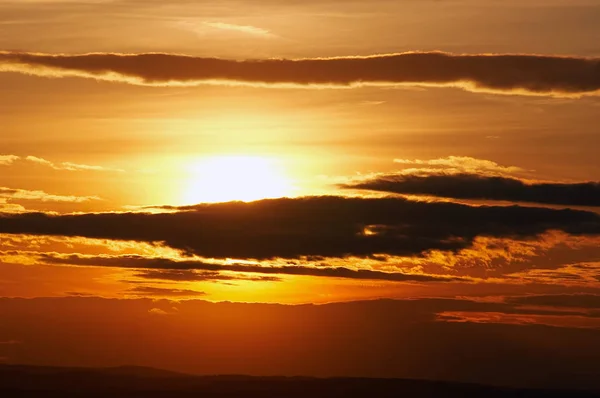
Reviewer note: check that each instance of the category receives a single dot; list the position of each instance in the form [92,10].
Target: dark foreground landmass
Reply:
[33,381]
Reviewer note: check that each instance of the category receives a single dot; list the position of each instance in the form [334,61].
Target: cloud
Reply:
[311,226]
[157,311]
[587,301]
[482,187]
[23,194]
[463,163]
[560,321]
[579,274]
[160,311]
[11,207]
[505,73]
[190,275]
[163,292]
[180,270]
[68,165]
[247,29]
[7,159]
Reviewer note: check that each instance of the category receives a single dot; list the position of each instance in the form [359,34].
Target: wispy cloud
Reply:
[246,29]
[163,292]
[8,159]
[161,312]
[23,194]
[68,165]
[462,164]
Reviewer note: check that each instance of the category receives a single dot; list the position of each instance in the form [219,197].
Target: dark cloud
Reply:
[319,226]
[177,269]
[506,73]
[164,292]
[474,186]
[186,275]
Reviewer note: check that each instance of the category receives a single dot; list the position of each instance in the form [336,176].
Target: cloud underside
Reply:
[481,187]
[525,74]
[312,226]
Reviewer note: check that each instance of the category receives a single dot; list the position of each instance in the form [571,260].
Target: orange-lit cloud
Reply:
[506,73]
[246,29]
[68,165]
[23,194]
[579,274]
[462,164]
[7,160]
[64,244]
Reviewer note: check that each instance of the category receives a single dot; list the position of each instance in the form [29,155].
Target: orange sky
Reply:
[455,141]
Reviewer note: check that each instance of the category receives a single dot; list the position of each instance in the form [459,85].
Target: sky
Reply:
[222,181]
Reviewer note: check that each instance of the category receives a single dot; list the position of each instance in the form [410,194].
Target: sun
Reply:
[227,178]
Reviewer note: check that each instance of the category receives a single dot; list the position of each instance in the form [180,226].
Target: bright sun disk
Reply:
[228,178]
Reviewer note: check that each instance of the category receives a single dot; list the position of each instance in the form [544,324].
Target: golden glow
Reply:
[227,178]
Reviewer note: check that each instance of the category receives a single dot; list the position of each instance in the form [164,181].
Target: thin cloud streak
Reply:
[9,160]
[503,73]
[463,163]
[140,262]
[23,194]
[251,30]
[68,165]
[163,292]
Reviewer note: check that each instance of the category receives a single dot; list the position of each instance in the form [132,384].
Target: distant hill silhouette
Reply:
[133,381]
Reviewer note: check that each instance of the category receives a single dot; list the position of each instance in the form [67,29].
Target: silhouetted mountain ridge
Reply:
[138,381]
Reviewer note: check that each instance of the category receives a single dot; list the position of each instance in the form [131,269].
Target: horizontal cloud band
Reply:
[312,226]
[480,187]
[533,74]
[164,264]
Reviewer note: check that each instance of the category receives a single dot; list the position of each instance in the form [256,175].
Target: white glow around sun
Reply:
[228,178]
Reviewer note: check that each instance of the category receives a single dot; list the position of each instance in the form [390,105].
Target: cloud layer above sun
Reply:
[507,73]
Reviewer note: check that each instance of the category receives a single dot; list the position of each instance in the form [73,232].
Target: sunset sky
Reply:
[158,158]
